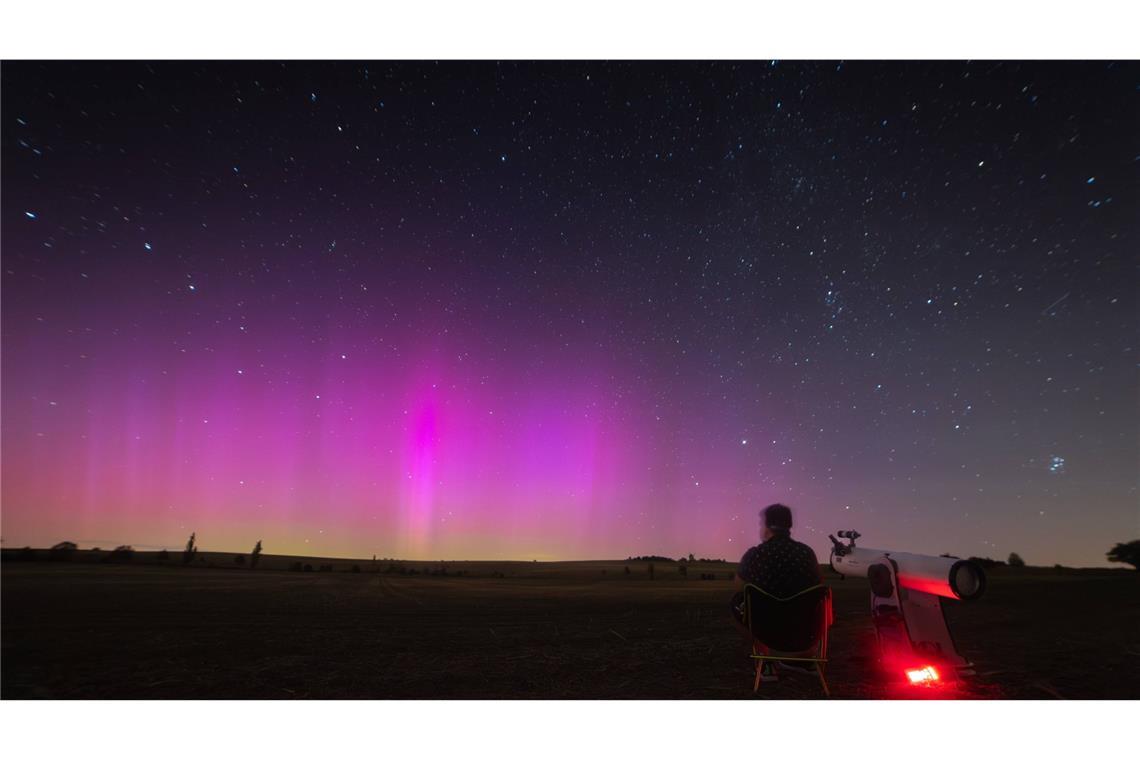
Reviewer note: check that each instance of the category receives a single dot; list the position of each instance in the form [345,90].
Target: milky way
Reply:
[570,310]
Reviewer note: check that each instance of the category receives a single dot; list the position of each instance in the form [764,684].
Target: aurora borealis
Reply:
[570,310]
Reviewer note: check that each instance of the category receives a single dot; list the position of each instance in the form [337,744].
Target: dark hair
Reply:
[777,517]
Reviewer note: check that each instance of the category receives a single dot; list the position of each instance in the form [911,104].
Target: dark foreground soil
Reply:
[562,630]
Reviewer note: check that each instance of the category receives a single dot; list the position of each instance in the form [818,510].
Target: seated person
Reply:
[780,565]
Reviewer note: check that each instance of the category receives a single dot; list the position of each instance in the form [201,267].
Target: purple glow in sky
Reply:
[564,311]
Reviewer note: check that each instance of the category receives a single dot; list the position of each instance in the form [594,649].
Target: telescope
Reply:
[907,595]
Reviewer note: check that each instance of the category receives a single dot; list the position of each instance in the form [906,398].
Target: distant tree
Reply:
[1128,553]
[191,550]
[1015,560]
[239,560]
[691,557]
[255,555]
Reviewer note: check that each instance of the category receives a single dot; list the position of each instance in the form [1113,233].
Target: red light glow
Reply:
[923,676]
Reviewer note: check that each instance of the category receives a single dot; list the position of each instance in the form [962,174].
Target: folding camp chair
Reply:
[792,629]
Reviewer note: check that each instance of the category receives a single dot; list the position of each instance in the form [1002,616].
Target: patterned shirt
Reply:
[780,566]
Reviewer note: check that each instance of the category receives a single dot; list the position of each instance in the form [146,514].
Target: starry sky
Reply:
[570,310]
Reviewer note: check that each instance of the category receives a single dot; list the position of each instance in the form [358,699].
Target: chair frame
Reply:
[760,651]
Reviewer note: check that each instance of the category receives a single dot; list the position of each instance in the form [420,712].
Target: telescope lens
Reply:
[967,580]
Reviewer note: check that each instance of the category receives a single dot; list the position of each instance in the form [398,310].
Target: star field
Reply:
[571,310]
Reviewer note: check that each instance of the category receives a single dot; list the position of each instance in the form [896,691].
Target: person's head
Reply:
[775,520]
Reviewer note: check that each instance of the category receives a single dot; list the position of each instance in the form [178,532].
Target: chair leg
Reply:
[756,683]
[822,680]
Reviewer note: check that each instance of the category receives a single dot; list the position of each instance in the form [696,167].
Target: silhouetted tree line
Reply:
[659,558]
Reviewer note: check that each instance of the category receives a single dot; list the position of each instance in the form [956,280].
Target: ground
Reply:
[542,630]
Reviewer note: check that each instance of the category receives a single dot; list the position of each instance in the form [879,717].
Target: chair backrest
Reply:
[793,624]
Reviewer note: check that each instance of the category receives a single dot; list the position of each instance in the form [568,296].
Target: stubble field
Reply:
[581,630]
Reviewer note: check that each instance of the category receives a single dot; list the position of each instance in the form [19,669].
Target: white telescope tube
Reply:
[943,576]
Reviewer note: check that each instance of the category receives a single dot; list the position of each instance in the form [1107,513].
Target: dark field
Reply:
[557,630]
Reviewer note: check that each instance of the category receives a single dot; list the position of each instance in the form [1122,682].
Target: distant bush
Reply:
[650,558]
[1015,560]
[987,562]
[297,567]
[121,554]
[326,568]
[683,570]
[62,551]
[239,560]
[163,556]
[308,568]
[627,569]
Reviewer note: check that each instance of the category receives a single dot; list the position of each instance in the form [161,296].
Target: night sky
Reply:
[571,310]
